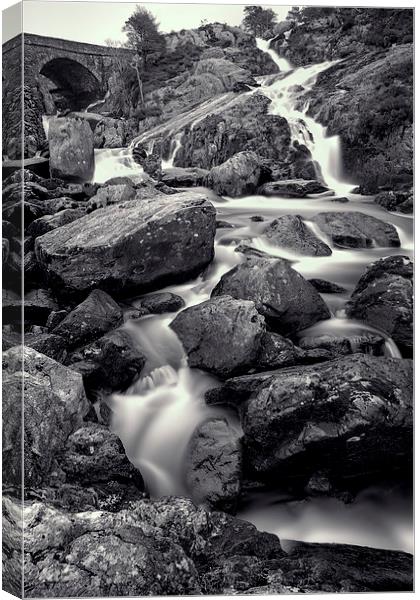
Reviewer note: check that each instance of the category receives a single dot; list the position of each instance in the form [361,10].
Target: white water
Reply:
[157,415]
[176,145]
[284,93]
[114,162]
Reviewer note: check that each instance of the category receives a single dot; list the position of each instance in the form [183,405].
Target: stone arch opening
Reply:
[75,86]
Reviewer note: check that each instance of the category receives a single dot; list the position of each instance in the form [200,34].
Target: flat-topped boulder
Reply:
[292,188]
[287,301]
[188,177]
[357,230]
[136,245]
[292,233]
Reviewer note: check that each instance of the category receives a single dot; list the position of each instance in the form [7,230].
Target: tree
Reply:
[259,20]
[144,38]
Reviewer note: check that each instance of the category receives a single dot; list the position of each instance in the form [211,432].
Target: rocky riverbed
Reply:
[217,333]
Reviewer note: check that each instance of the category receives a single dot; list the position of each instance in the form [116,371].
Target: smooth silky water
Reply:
[156,416]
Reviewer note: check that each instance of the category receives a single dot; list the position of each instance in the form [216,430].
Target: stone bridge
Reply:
[57,74]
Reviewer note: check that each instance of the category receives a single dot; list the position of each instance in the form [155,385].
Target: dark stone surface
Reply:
[290,232]
[287,301]
[162,302]
[327,287]
[221,335]
[293,188]
[115,359]
[383,298]
[352,415]
[89,320]
[213,465]
[357,230]
[102,249]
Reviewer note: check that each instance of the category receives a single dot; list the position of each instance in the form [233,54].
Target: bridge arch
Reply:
[76,85]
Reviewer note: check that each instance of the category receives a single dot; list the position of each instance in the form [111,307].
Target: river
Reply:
[156,416]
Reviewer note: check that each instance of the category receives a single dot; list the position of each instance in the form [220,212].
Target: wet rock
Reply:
[50,222]
[256,219]
[291,232]
[224,225]
[292,188]
[337,345]
[9,230]
[238,176]
[357,230]
[111,194]
[179,177]
[162,302]
[340,199]
[213,465]
[287,301]
[121,247]
[327,287]
[55,404]
[89,320]
[71,149]
[339,568]
[221,335]
[383,298]
[118,358]
[95,455]
[277,352]
[352,416]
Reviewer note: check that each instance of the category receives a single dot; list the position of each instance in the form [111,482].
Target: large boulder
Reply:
[292,188]
[213,465]
[55,404]
[351,416]
[133,246]
[383,298]
[221,335]
[357,230]
[89,320]
[71,149]
[291,232]
[238,176]
[287,301]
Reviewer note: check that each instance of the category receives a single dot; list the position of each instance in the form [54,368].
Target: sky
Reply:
[95,22]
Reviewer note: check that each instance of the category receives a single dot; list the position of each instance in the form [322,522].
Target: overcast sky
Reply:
[95,22]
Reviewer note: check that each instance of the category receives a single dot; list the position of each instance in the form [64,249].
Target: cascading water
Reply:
[175,146]
[157,415]
[283,93]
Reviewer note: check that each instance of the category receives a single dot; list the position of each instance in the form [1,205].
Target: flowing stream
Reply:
[157,415]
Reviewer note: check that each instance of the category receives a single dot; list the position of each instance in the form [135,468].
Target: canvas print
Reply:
[207,299]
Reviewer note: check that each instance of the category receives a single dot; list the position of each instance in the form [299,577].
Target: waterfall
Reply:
[97,103]
[175,146]
[284,93]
